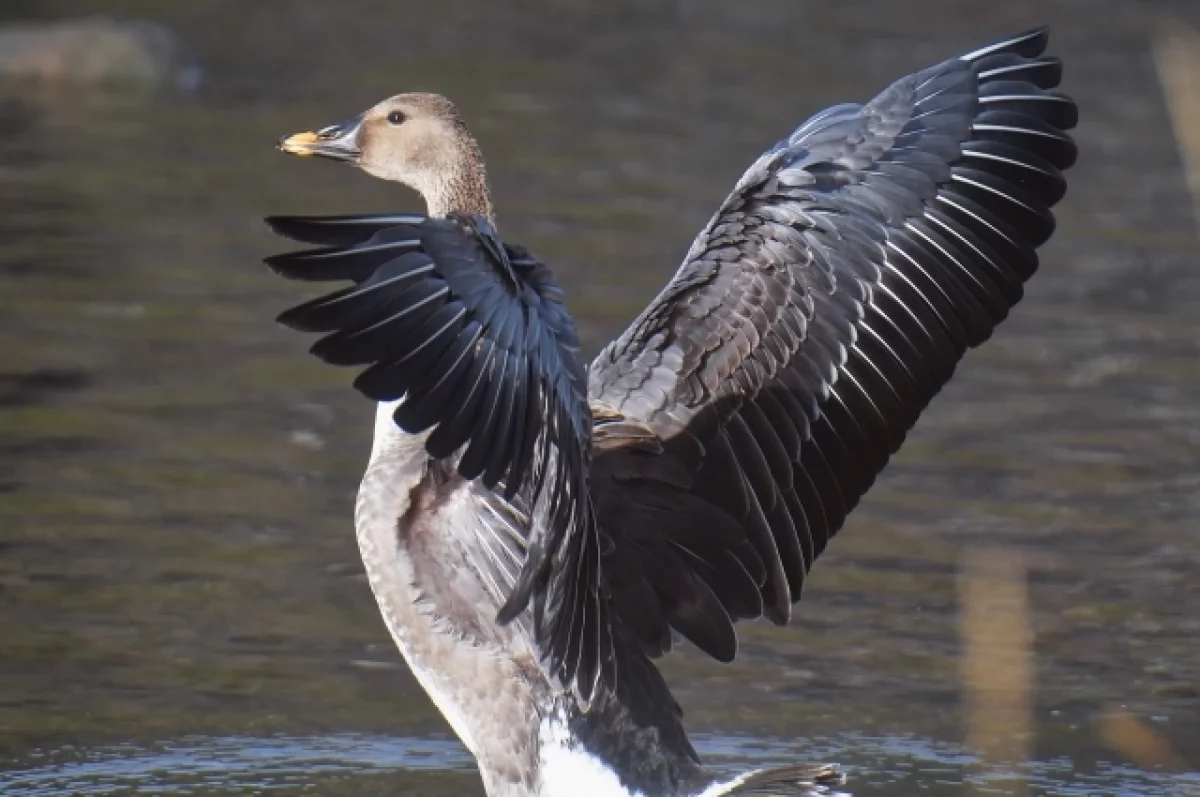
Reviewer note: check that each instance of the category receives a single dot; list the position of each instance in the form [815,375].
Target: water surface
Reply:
[181,604]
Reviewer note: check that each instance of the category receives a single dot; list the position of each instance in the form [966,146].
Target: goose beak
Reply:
[339,142]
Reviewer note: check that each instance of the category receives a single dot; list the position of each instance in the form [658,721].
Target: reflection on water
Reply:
[181,603]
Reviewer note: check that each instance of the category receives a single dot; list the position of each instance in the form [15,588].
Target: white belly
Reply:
[565,770]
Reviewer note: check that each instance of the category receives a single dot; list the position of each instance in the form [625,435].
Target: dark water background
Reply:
[181,604]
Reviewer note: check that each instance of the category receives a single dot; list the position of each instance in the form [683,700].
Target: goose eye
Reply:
[396,118]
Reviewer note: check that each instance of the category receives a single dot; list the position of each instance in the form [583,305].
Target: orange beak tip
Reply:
[298,144]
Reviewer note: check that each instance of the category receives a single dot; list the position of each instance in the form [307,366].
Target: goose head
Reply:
[419,140]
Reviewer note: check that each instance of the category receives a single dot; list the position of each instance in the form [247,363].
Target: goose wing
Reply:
[471,335]
[745,412]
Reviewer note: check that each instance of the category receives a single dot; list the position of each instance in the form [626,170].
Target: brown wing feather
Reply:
[824,305]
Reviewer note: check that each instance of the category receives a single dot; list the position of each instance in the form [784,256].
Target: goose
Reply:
[537,532]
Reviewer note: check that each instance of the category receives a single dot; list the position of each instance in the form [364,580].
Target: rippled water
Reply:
[363,763]
[181,604]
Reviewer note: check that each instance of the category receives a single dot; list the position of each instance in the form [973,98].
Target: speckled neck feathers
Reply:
[463,186]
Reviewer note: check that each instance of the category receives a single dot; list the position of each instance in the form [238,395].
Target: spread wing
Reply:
[749,407]
[472,335]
